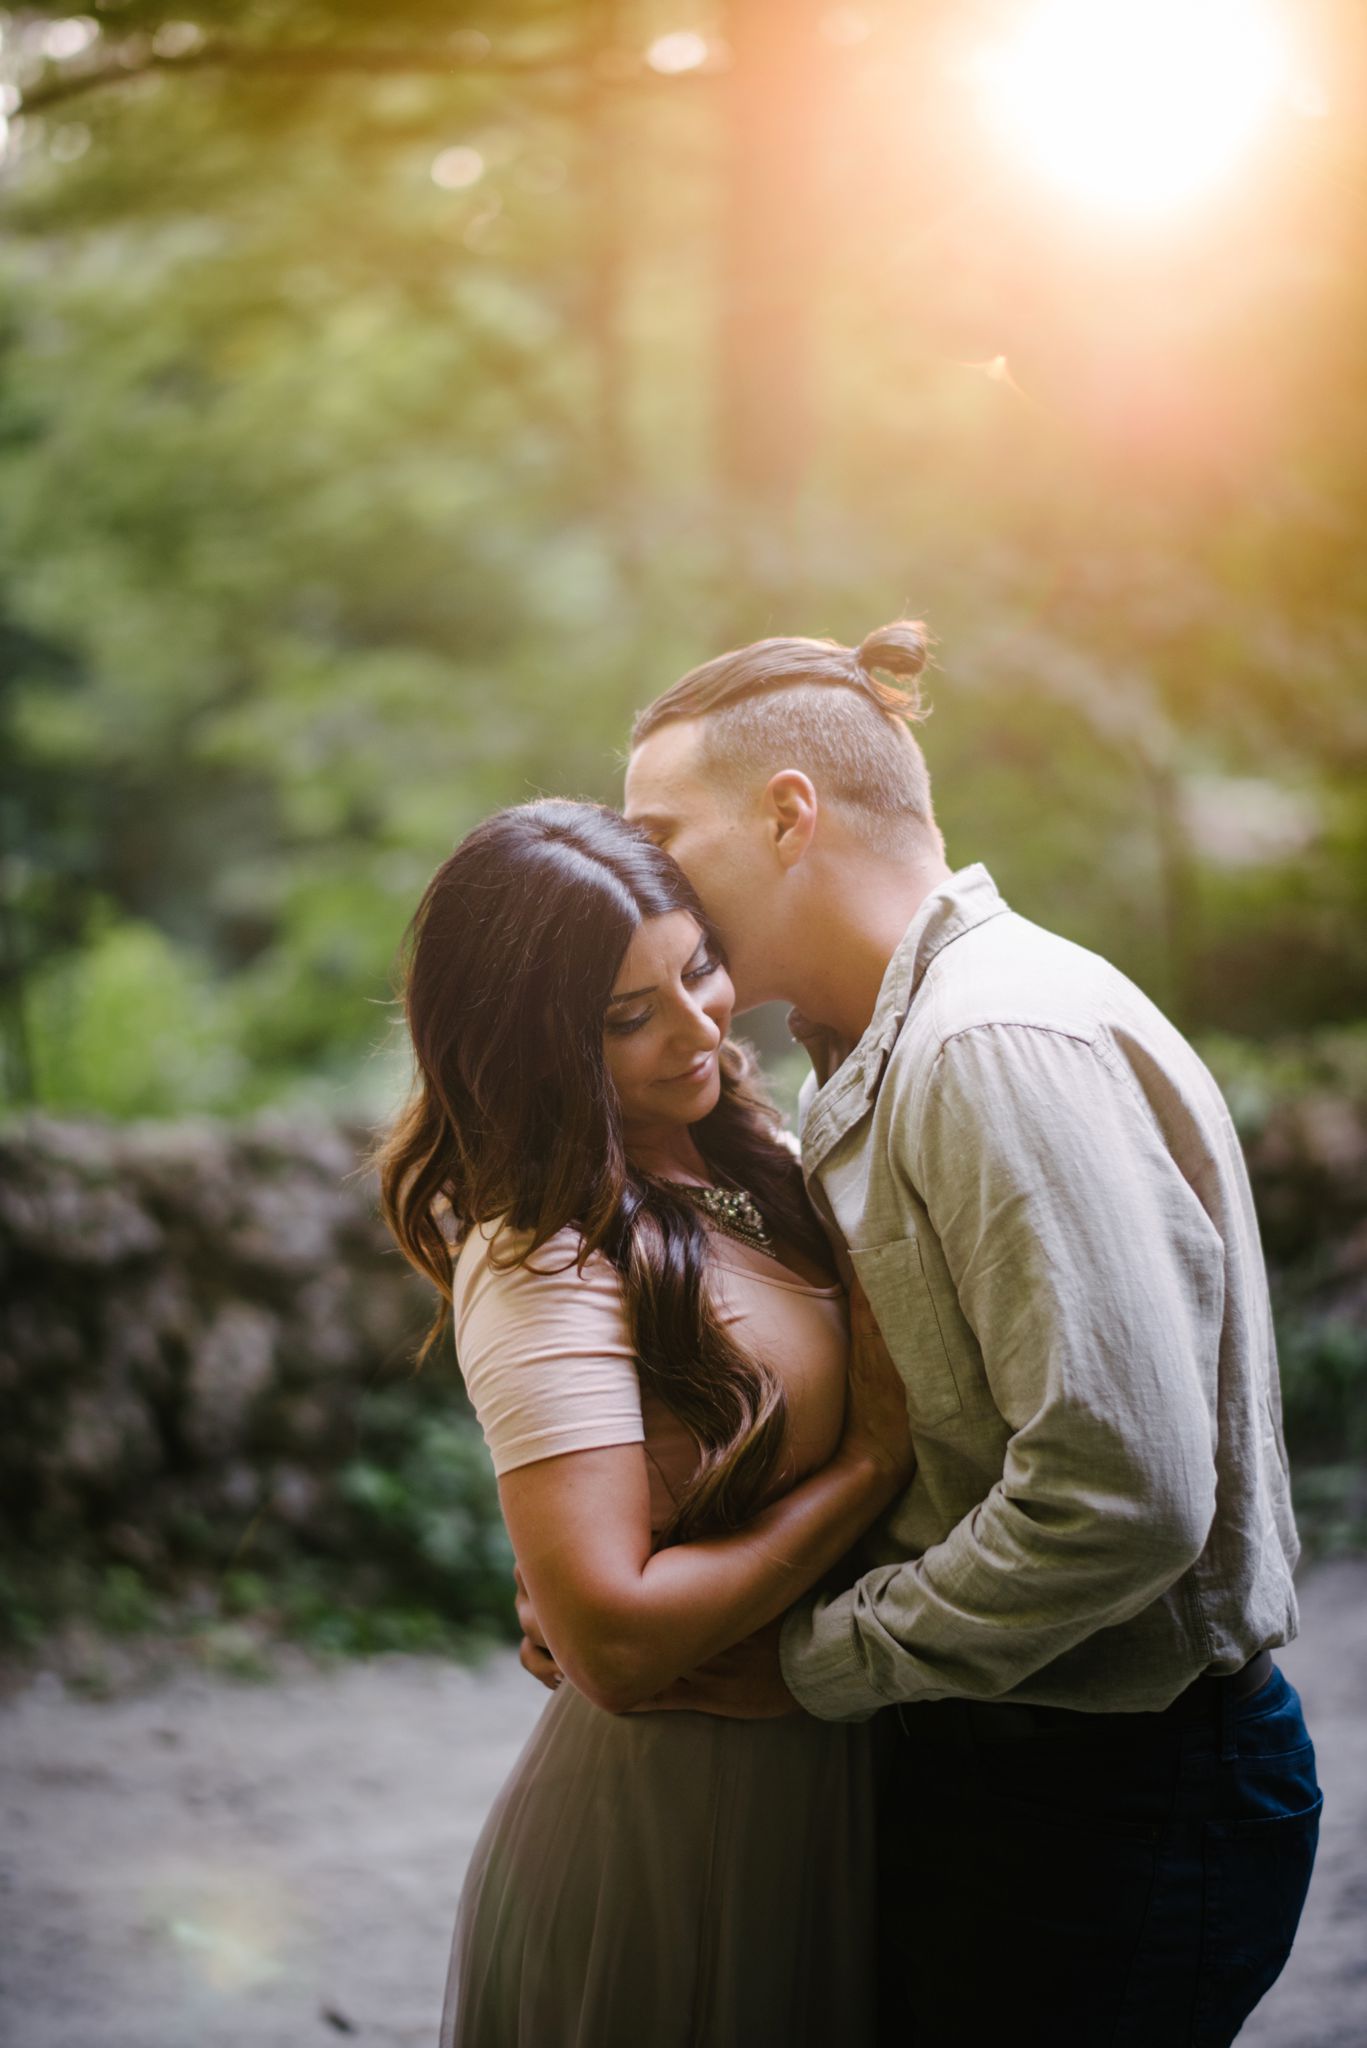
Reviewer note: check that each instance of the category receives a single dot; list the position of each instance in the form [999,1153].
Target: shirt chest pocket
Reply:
[893,1277]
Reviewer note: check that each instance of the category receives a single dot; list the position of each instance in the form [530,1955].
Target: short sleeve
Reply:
[545,1351]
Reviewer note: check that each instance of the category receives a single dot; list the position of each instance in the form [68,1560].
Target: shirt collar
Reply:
[969,897]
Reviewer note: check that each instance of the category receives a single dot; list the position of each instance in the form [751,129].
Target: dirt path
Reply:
[219,1865]
[209,1864]
[1320,2000]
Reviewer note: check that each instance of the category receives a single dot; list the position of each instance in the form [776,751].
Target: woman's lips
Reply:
[699,1071]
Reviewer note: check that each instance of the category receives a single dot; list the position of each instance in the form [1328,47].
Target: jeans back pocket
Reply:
[1257,1873]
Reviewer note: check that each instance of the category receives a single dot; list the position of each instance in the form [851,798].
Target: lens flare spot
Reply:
[1137,105]
[235,1929]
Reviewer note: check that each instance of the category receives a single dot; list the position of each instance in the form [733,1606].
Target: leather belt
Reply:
[1235,1685]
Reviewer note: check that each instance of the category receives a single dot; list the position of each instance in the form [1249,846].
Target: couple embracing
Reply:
[902,1532]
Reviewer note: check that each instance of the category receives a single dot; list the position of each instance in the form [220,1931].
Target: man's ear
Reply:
[790,809]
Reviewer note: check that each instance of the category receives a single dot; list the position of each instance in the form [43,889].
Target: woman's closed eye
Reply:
[622,1027]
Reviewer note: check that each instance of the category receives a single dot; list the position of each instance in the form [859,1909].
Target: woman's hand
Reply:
[876,1423]
[623,1619]
[744,1683]
[533,1654]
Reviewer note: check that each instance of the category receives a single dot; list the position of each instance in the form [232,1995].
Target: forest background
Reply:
[392,401]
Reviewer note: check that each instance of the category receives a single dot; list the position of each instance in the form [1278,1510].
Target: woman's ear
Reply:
[790,808]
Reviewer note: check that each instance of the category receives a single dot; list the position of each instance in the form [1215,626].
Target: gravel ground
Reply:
[204,1863]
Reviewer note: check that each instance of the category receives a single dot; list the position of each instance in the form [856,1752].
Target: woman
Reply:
[684,1439]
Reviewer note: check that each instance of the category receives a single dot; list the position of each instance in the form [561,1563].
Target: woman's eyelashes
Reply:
[622,1027]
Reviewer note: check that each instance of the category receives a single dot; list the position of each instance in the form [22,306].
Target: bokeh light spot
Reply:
[682,50]
[69,142]
[455,170]
[178,38]
[68,38]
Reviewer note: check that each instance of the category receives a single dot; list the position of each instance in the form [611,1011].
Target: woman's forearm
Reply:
[695,1599]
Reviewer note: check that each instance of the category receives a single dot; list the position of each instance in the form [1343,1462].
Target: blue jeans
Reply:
[1090,1880]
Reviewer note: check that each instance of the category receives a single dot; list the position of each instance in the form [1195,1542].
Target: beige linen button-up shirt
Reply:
[1042,1192]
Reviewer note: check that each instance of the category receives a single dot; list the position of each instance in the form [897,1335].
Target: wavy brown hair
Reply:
[510,962]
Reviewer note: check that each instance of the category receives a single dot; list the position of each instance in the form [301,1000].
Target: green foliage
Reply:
[1259,1078]
[1324,1384]
[123,1602]
[41,1593]
[23,1621]
[325,1614]
[229,1622]
[339,506]
[427,1505]
[1331,1508]
[245,1592]
[128,1026]
[1301,1109]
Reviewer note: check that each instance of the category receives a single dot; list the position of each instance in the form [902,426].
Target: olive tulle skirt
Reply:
[671,1880]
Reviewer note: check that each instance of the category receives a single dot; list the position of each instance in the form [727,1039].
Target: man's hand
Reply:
[743,1684]
[533,1654]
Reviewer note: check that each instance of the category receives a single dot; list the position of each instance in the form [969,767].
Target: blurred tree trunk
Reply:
[1180,904]
[606,259]
[771,246]
[16,1052]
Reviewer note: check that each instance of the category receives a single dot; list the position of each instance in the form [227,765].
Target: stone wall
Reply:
[1308,1162]
[206,1344]
[195,1319]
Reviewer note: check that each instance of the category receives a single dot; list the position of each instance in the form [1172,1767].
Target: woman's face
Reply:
[669,1011]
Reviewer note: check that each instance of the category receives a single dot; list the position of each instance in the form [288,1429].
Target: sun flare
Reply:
[1137,105]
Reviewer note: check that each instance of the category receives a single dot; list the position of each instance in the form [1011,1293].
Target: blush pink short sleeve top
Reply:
[547,1357]
[545,1351]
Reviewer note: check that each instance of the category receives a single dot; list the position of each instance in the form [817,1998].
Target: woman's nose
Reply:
[700,1028]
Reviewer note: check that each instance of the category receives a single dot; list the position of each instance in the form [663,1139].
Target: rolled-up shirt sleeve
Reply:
[1091,1278]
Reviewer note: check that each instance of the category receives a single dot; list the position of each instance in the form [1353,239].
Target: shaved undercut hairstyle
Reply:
[827,710]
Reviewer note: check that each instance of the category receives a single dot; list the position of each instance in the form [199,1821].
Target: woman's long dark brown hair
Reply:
[510,961]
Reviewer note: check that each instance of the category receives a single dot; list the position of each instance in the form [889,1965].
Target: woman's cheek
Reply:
[629,1065]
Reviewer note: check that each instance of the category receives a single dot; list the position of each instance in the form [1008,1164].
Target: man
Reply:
[1100,1812]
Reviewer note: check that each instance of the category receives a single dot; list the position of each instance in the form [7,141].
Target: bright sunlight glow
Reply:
[1137,105]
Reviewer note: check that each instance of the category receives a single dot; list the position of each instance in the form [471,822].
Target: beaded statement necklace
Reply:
[730,1210]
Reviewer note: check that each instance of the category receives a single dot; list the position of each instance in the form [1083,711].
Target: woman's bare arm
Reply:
[623,1623]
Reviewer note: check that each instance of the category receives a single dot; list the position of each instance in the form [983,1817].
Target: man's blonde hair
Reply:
[821,708]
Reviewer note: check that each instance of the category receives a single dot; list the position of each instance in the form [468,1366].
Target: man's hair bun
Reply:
[900,649]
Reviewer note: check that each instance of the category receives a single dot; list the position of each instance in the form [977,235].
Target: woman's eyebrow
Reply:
[630,995]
